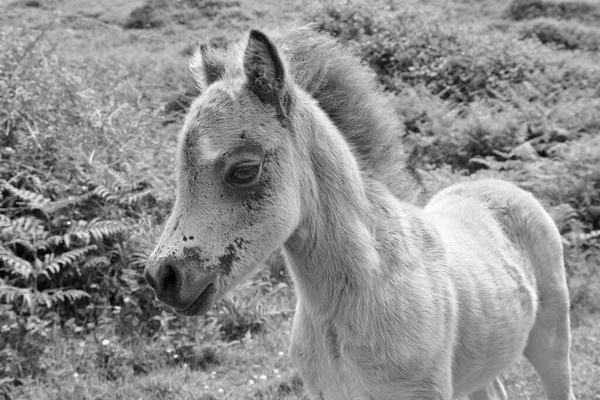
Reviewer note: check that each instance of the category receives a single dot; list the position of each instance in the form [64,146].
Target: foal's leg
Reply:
[549,340]
[493,391]
[548,347]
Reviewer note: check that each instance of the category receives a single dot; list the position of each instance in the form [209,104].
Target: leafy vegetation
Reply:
[87,143]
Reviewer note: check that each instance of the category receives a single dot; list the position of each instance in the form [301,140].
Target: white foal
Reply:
[394,302]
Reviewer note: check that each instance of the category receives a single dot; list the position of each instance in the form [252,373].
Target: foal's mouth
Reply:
[202,303]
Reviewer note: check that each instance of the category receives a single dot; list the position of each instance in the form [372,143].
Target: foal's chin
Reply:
[203,302]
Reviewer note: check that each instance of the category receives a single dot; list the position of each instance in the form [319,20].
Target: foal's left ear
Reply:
[265,71]
[207,66]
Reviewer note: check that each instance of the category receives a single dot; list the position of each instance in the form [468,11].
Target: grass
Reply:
[97,89]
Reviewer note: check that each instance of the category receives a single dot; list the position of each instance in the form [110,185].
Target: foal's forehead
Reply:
[226,117]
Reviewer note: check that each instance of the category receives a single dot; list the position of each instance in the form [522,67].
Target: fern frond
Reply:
[16,265]
[99,230]
[590,235]
[28,245]
[55,264]
[11,294]
[121,182]
[68,295]
[104,193]
[22,228]
[70,201]
[94,231]
[53,296]
[97,262]
[572,238]
[49,242]
[8,294]
[135,197]
[44,298]
[138,260]
[30,198]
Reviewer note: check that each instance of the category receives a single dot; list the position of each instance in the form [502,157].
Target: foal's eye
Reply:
[244,174]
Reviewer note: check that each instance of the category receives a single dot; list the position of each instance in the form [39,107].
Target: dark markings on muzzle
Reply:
[195,253]
[226,260]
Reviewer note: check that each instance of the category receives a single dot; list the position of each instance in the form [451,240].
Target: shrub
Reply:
[519,10]
[143,17]
[158,13]
[410,49]
[564,35]
[212,8]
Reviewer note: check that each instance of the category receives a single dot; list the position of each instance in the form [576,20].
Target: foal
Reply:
[394,302]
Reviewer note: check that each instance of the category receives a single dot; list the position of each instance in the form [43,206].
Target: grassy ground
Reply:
[128,63]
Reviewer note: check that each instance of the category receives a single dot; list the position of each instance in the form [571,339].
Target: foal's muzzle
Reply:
[188,295]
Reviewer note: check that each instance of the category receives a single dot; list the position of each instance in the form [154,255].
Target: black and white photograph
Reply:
[299,199]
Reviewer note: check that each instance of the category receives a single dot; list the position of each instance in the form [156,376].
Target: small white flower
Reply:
[206,387]
[263,377]
[126,300]
[251,382]
[278,376]
[175,355]
[169,351]
[281,353]
[105,342]
[213,373]
[5,328]
[275,371]
[221,391]
[75,375]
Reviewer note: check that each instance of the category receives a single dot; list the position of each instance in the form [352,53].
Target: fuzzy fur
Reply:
[394,301]
[344,88]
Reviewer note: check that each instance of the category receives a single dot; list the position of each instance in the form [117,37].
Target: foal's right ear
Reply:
[206,66]
[265,72]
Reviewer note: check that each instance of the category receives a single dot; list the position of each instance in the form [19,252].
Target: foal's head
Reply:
[238,188]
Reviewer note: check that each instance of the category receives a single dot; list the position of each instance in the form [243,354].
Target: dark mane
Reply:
[347,91]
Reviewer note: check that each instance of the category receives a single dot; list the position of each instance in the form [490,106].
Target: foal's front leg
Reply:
[307,370]
[494,391]
[303,354]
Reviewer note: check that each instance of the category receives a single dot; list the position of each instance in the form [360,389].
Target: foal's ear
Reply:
[264,71]
[206,66]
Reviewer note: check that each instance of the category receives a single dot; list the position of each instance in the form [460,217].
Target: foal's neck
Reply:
[333,256]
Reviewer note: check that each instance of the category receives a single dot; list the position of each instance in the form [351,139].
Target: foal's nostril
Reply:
[170,287]
[169,280]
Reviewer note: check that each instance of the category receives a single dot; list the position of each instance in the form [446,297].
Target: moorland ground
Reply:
[92,95]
